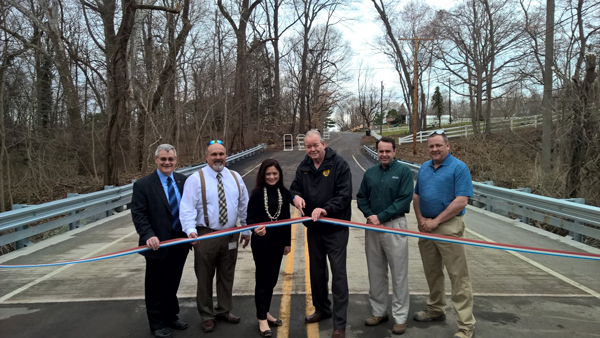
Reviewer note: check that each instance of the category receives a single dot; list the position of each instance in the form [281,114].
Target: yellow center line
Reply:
[286,294]
[312,330]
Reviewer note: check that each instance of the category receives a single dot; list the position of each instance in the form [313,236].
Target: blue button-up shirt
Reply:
[163,181]
[437,188]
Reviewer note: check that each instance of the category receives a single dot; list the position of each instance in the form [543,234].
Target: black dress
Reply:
[267,250]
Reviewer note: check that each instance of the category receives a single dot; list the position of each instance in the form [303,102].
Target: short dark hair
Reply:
[262,172]
[386,139]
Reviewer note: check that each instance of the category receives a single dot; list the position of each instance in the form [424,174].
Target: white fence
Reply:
[466,131]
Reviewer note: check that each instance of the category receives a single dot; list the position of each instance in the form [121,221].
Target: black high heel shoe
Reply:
[276,322]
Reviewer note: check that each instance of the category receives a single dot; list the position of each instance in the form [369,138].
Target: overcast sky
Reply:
[365,30]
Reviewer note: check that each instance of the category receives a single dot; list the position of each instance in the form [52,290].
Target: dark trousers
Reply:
[321,246]
[162,281]
[210,256]
[267,259]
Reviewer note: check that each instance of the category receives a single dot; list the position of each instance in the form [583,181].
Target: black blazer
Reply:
[151,213]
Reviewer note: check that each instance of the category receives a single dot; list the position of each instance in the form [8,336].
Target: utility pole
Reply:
[381,111]
[449,102]
[415,90]
[547,100]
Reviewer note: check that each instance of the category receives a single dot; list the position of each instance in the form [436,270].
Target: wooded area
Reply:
[89,88]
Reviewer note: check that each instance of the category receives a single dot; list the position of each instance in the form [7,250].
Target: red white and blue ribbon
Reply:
[409,233]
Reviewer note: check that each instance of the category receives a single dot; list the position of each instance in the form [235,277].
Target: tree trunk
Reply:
[240,104]
[118,84]
[583,129]
[3,67]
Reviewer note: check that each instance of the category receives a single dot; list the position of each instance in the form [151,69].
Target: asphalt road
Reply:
[516,295]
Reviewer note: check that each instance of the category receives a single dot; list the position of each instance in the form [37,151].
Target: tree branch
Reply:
[159,8]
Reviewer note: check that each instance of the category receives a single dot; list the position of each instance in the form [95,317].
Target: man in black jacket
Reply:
[155,213]
[323,188]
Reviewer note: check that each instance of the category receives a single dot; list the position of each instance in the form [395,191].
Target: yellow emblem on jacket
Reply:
[326,172]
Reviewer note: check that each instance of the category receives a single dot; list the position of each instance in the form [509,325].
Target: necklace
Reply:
[279,203]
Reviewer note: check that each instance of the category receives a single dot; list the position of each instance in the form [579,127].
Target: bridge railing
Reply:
[566,214]
[79,209]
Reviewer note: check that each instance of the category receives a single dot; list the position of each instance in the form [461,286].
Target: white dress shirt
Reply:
[191,211]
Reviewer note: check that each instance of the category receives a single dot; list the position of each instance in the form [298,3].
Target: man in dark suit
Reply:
[155,213]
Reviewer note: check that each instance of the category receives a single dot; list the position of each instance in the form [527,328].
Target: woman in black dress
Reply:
[269,201]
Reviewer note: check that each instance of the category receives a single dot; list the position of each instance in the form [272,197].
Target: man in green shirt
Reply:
[384,197]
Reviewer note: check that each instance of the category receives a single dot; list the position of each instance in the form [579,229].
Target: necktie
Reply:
[222,202]
[173,205]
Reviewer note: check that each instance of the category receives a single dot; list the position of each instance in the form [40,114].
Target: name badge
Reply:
[233,245]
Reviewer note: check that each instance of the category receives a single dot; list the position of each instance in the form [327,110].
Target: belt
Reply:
[203,227]
[397,216]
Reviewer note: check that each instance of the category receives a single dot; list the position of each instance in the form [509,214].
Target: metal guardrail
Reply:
[565,214]
[78,209]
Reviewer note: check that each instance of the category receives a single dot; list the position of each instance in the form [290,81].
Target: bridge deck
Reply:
[513,293]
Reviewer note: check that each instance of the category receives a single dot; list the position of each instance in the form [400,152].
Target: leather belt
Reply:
[203,227]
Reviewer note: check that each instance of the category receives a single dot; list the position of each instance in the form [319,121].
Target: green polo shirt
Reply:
[386,192]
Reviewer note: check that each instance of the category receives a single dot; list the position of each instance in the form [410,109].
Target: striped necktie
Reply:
[222,202]
[173,205]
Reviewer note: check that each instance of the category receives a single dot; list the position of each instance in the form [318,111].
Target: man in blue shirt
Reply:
[442,191]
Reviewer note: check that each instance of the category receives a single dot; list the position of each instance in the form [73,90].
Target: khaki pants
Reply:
[435,255]
[383,250]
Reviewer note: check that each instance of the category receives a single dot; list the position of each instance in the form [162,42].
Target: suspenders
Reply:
[204,192]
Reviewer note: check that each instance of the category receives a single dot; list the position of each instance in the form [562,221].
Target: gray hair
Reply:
[166,147]
[313,133]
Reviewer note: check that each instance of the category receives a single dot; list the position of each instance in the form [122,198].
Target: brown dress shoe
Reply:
[338,334]
[315,318]
[399,328]
[208,325]
[374,320]
[228,317]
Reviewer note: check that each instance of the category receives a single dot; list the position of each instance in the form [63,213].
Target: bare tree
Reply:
[478,44]
[414,22]
[240,104]
[309,11]
[368,96]
[114,46]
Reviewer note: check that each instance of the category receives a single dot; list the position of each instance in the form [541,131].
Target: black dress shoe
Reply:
[276,322]
[228,317]
[266,333]
[338,333]
[316,317]
[178,325]
[163,333]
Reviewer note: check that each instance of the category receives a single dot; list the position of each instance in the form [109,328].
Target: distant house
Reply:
[399,119]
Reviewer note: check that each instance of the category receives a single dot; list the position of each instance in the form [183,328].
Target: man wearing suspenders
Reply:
[214,198]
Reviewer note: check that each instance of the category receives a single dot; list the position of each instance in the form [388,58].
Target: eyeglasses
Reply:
[211,142]
[165,159]
[438,132]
